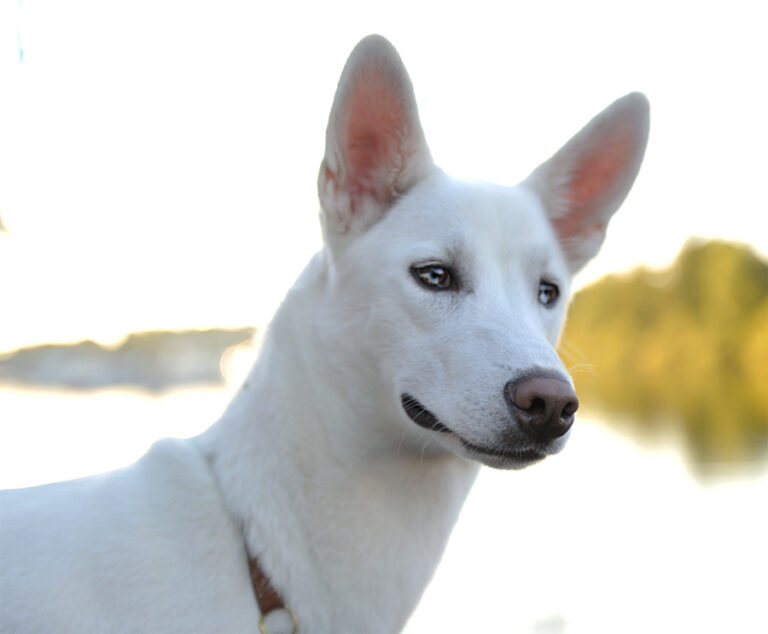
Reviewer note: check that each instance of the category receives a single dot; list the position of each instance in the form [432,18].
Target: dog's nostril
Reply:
[538,407]
[543,407]
[570,408]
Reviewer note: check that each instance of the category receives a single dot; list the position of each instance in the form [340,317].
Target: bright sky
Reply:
[158,159]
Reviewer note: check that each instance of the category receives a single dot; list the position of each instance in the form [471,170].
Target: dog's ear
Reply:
[375,147]
[584,183]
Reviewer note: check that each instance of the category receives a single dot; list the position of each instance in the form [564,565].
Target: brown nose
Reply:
[542,406]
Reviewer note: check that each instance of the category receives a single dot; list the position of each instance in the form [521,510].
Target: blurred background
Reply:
[158,163]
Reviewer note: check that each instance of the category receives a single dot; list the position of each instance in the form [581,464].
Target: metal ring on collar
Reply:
[294,630]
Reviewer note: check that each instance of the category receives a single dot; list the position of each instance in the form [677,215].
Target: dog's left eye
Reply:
[548,293]
[433,276]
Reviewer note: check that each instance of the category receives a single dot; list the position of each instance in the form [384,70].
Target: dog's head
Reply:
[455,293]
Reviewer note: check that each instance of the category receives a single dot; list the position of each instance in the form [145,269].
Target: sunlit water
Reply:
[606,537]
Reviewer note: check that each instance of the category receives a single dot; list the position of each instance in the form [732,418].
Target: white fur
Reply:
[315,466]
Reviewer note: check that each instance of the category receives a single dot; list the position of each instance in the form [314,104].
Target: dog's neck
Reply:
[348,522]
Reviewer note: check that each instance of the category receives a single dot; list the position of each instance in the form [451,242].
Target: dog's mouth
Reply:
[493,456]
[421,415]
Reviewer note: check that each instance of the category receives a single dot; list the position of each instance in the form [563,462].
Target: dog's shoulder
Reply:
[112,544]
[167,477]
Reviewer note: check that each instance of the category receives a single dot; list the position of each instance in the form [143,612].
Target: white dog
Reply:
[416,345]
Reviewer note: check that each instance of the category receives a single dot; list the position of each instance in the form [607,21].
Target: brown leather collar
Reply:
[267,597]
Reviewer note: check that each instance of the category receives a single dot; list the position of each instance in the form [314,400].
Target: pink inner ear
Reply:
[375,131]
[598,173]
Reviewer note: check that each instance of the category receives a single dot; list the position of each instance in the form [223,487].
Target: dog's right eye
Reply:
[548,294]
[434,276]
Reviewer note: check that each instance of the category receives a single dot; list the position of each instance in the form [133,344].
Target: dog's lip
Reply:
[522,456]
[421,415]
[426,419]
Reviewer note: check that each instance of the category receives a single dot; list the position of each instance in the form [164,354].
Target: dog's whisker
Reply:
[582,368]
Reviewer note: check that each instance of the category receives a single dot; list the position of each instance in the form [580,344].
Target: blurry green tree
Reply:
[682,350]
